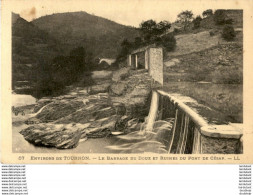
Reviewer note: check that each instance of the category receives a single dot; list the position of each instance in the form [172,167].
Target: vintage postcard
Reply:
[132,82]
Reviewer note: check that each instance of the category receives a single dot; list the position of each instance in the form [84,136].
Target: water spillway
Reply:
[196,129]
[178,124]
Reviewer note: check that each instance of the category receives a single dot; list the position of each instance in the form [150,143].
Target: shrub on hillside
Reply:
[207,13]
[168,42]
[138,42]
[176,31]
[227,75]
[229,21]
[198,73]
[211,33]
[196,22]
[228,33]
[126,47]
[219,17]
[45,87]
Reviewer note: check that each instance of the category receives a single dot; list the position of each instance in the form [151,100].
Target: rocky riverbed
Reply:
[115,105]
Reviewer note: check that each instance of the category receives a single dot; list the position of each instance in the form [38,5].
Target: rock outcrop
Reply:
[51,135]
[133,91]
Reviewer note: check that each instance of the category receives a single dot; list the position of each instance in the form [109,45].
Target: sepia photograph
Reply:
[116,77]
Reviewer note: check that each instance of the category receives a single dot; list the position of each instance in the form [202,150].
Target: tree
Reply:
[150,29]
[147,28]
[163,26]
[126,46]
[53,76]
[169,42]
[137,42]
[196,22]
[220,17]
[228,33]
[77,59]
[185,18]
[207,13]
[89,61]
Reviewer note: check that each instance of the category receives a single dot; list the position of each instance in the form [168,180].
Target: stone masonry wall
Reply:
[211,145]
[156,64]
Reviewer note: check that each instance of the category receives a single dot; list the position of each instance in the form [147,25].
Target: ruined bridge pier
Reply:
[149,58]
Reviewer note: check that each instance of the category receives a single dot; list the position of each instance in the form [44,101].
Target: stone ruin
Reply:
[149,58]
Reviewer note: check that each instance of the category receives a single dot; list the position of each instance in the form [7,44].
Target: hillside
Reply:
[64,40]
[100,36]
[235,15]
[203,55]
[30,47]
[208,23]
[206,67]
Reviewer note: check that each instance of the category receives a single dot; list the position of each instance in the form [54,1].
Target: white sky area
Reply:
[127,12]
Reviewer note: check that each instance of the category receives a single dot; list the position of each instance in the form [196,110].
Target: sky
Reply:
[127,12]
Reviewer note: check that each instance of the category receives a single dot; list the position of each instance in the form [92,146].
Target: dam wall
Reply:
[197,128]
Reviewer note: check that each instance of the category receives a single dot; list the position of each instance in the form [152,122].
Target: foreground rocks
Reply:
[62,122]
[58,136]
[65,136]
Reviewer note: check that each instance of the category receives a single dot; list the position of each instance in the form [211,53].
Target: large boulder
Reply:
[102,127]
[58,109]
[101,88]
[120,74]
[87,114]
[118,88]
[65,136]
[103,74]
[51,135]
[172,62]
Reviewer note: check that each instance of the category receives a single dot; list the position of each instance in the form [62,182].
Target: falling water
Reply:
[141,140]
[39,111]
[167,129]
[151,137]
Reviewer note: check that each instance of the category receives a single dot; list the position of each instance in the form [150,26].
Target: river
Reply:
[138,141]
[22,100]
